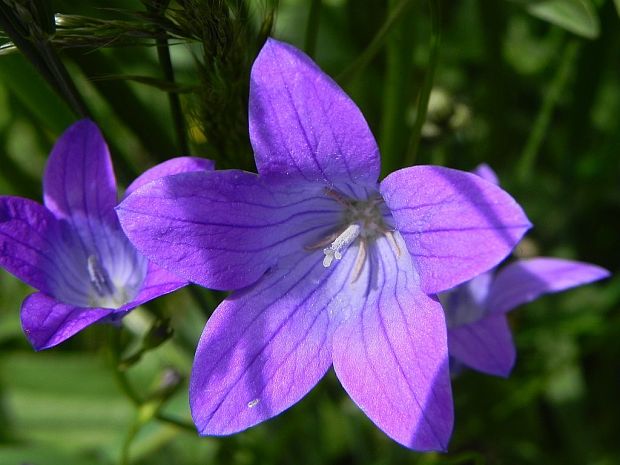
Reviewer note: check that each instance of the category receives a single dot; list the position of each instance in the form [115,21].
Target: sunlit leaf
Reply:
[30,454]
[577,16]
[65,399]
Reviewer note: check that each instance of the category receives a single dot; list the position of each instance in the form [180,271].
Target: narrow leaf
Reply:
[576,16]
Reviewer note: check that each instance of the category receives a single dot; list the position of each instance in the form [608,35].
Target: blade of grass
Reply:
[136,116]
[165,61]
[43,56]
[19,76]
[375,45]
[312,27]
[543,119]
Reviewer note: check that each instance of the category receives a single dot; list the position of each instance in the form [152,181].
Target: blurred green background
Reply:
[530,87]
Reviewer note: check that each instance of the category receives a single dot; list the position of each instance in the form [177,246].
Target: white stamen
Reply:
[340,244]
[98,276]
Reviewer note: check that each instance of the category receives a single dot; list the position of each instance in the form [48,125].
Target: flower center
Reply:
[362,221]
[105,294]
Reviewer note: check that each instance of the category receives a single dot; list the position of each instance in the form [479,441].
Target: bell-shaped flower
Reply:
[329,266]
[72,249]
[479,336]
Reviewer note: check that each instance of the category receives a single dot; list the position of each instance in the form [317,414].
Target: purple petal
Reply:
[170,167]
[302,124]
[48,322]
[485,172]
[79,179]
[157,282]
[392,357]
[466,303]
[223,229]
[456,225]
[485,345]
[526,280]
[265,347]
[27,233]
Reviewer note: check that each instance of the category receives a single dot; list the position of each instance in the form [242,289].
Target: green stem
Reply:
[120,374]
[165,61]
[184,425]
[312,28]
[543,119]
[427,85]
[44,58]
[66,84]
[377,42]
[163,52]
[131,435]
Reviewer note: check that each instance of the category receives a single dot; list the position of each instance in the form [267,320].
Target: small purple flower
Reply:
[72,249]
[478,331]
[329,267]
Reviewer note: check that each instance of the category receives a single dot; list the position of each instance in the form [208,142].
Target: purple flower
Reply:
[72,249]
[329,266]
[478,331]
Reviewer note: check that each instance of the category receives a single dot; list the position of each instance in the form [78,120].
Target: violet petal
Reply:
[485,345]
[392,356]
[526,280]
[156,283]
[79,179]
[266,346]
[456,225]
[27,235]
[224,229]
[48,322]
[303,125]
[170,167]
[486,172]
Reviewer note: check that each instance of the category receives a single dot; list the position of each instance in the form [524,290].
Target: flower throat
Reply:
[362,221]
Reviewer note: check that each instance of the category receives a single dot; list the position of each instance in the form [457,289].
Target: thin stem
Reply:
[165,61]
[44,58]
[312,28]
[119,374]
[184,425]
[427,86]
[66,84]
[163,52]
[131,435]
[377,42]
[543,120]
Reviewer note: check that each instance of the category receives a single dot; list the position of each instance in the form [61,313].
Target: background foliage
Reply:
[530,87]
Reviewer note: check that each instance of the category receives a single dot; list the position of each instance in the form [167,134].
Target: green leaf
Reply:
[18,455]
[576,16]
[617,3]
[70,400]
[161,84]
[21,79]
